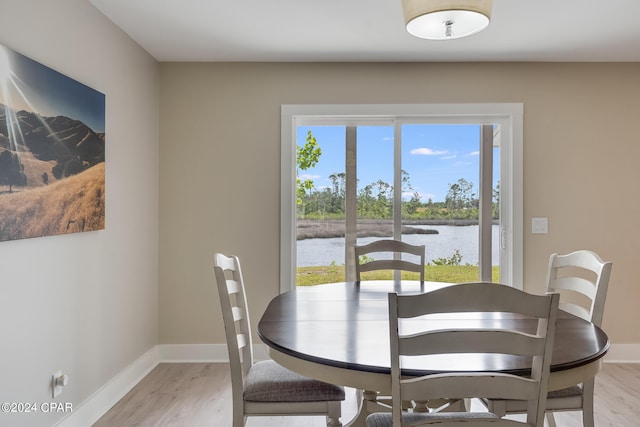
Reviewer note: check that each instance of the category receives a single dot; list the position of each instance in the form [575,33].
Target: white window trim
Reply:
[508,115]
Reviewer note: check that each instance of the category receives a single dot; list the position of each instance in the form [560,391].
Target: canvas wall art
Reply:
[52,151]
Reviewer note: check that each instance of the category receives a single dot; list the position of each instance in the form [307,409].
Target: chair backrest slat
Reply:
[487,385]
[473,341]
[489,297]
[576,284]
[242,341]
[238,313]
[233,287]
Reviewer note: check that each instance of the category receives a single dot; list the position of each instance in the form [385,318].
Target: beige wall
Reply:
[84,303]
[220,168]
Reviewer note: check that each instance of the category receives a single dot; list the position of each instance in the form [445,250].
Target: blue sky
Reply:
[28,85]
[435,156]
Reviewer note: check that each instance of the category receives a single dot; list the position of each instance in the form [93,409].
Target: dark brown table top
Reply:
[345,325]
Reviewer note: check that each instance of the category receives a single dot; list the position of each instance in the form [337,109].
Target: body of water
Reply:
[318,252]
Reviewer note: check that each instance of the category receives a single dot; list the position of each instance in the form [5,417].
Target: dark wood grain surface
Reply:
[345,325]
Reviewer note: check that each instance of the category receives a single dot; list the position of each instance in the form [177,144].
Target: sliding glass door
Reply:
[425,180]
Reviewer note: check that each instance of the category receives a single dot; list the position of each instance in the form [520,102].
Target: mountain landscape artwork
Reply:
[52,151]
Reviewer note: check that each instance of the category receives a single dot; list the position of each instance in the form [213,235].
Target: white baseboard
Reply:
[100,402]
[89,411]
[623,353]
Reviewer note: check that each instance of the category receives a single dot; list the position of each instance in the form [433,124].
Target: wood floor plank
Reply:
[199,395]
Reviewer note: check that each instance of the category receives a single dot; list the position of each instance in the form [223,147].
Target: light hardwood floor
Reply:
[199,394]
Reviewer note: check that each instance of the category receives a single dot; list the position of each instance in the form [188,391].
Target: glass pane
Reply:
[320,205]
[375,174]
[440,197]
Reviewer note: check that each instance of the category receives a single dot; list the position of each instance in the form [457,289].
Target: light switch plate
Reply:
[539,225]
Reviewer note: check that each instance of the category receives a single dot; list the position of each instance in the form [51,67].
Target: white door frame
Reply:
[508,115]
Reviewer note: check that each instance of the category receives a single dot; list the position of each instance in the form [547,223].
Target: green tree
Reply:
[307,156]
[11,170]
[406,181]
[338,191]
[496,202]
[365,201]
[411,207]
[460,195]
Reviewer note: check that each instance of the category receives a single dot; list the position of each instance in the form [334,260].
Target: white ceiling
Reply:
[373,30]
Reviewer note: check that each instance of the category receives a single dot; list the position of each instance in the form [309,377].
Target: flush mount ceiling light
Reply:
[446,19]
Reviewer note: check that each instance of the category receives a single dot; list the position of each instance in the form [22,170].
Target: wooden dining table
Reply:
[339,333]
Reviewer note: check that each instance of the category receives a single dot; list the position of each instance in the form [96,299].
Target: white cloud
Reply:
[474,153]
[428,152]
[453,156]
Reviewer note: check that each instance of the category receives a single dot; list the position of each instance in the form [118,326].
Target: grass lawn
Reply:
[309,276]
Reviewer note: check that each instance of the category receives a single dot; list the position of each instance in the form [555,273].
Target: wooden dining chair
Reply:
[409,340]
[264,388]
[396,248]
[582,279]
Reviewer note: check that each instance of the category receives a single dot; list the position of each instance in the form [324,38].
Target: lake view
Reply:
[318,252]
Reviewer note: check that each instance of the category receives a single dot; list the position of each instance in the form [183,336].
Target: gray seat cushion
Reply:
[574,393]
[384,419]
[566,392]
[269,382]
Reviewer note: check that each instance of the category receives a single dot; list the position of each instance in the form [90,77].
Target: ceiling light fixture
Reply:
[446,19]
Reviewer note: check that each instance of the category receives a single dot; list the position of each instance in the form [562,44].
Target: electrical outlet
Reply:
[58,380]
